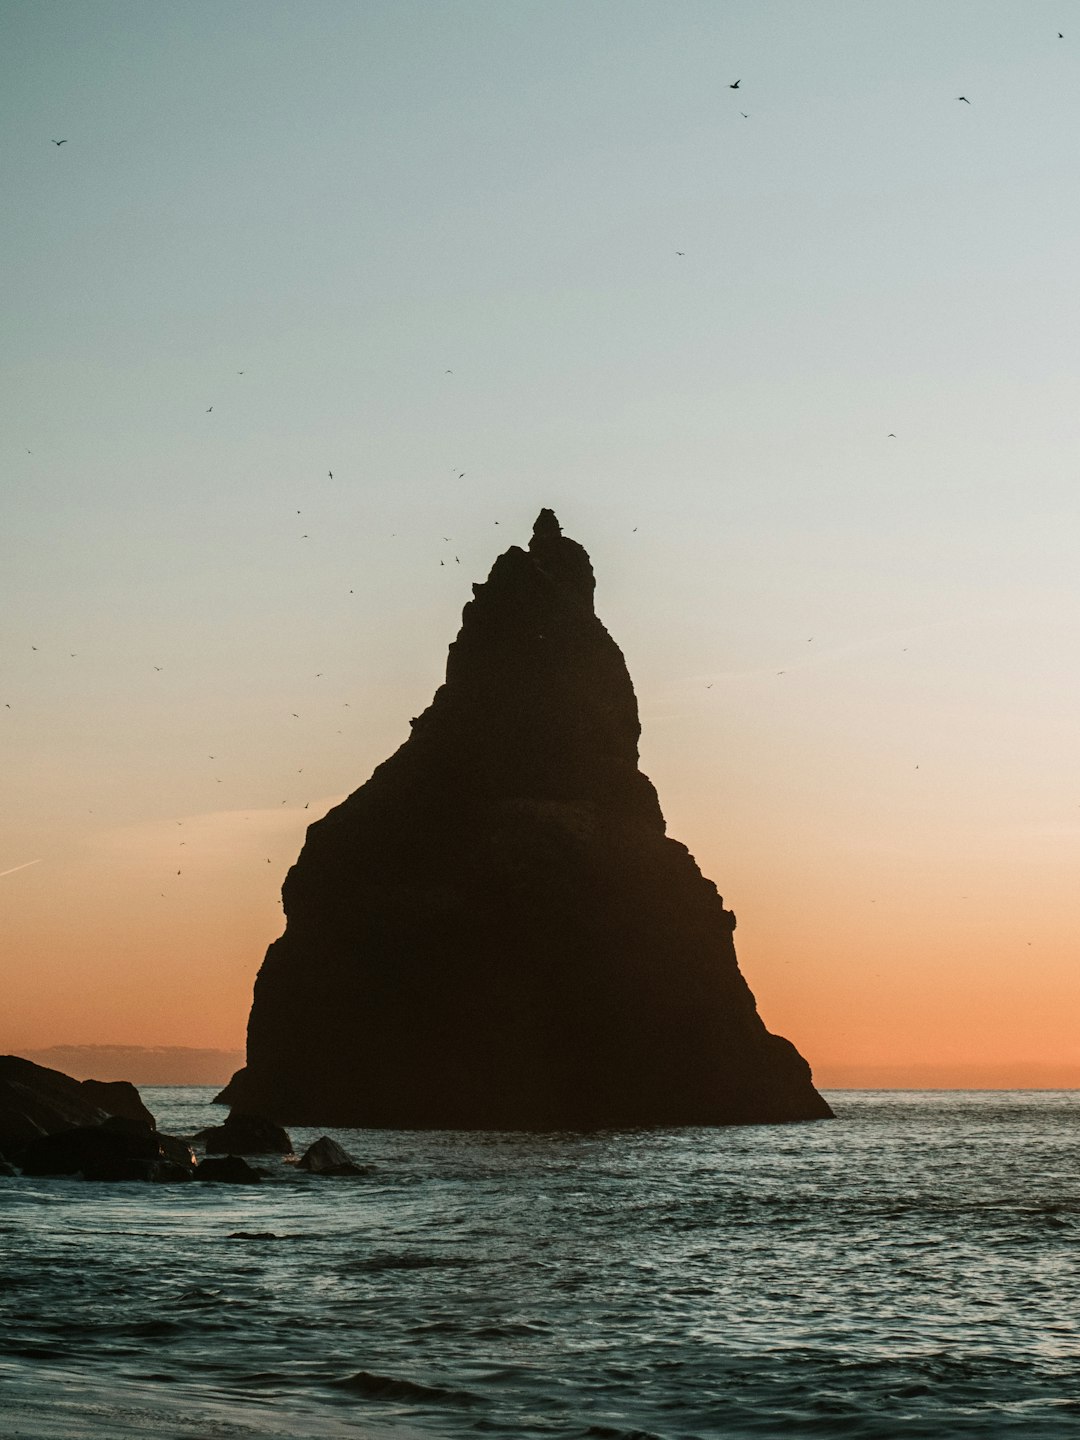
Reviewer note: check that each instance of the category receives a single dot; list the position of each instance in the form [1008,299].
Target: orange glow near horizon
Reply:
[299,338]
[116,948]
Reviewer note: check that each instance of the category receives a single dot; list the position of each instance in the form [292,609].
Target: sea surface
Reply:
[909,1269]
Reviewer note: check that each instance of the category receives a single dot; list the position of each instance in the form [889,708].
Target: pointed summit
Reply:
[494,932]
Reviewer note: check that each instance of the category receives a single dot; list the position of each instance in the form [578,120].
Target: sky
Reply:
[318,295]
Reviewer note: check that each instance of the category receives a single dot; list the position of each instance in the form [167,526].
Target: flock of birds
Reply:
[733,85]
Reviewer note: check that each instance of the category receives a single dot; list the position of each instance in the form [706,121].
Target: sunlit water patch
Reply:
[909,1269]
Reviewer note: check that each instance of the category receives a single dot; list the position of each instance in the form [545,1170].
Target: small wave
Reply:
[409,1260]
[509,1330]
[388,1387]
[612,1432]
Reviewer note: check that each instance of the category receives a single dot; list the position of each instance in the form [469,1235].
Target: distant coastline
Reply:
[1009,1075]
[141,1064]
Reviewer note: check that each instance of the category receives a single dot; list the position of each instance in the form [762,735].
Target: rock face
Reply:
[326,1157]
[244,1134]
[35,1100]
[495,931]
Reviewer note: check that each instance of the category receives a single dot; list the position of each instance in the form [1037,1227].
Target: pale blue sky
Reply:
[344,201]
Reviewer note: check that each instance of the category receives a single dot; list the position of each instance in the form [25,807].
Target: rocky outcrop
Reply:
[494,931]
[228,1170]
[118,1097]
[35,1100]
[244,1134]
[118,1149]
[326,1157]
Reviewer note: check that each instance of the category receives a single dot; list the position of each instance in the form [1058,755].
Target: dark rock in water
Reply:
[176,1151]
[89,1148]
[245,1134]
[35,1100]
[156,1172]
[5,1168]
[494,931]
[118,1097]
[228,1170]
[326,1157]
[118,1149]
[126,1125]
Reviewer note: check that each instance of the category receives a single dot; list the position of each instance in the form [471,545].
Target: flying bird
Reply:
[208,411]
[680,252]
[330,473]
[735,86]
[64,142]
[744,115]
[891,435]
[964,99]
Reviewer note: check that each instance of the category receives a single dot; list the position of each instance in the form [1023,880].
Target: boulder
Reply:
[118,1149]
[326,1157]
[176,1151]
[35,1100]
[156,1172]
[227,1170]
[495,931]
[6,1168]
[93,1148]
[118,1097]
[245,1134]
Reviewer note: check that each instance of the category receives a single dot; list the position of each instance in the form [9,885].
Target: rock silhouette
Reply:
[35,1100]
[244,1134]
[494,931]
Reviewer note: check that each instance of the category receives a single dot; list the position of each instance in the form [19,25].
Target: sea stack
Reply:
[495,932]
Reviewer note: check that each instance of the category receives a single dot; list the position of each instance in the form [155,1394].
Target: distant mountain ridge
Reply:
[141,1064]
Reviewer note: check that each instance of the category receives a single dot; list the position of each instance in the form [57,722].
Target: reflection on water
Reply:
[907,1270]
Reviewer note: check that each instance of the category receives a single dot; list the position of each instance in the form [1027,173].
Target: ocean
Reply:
[911,1268]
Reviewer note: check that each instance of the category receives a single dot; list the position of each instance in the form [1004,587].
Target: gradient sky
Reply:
[855,655]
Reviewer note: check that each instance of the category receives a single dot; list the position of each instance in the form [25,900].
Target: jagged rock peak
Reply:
[494,931]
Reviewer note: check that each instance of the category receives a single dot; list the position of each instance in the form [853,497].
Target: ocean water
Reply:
[909,1269]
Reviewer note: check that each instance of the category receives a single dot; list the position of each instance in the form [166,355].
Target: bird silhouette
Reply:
[744,115]
[208,411]
[964,99]
[891,435]
[59,142]
[680,252]
[330,473]
[735,86]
